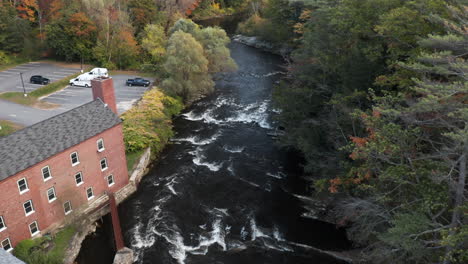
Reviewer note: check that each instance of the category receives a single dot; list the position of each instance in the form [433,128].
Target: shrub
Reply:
[149,124]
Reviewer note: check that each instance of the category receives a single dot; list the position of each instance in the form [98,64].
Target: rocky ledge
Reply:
[256,42]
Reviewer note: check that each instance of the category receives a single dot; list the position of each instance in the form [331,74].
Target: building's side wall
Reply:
[63,180]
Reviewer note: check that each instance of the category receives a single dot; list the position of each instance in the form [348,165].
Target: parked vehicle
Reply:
[80,82]
[96,72]
[137,82]
[39,79]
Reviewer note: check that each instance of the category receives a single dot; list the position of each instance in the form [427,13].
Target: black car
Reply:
[39,79]
[137,82]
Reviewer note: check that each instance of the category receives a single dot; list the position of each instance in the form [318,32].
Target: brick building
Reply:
[50,169]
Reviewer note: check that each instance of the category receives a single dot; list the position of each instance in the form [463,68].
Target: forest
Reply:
[376,99]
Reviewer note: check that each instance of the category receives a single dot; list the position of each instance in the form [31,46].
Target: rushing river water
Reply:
[223,191]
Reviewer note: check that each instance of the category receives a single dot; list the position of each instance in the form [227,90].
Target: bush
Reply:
[149,124]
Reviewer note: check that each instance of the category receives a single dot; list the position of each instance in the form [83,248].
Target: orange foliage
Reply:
[81,24]
[54,10]
[334,183]
[27,9]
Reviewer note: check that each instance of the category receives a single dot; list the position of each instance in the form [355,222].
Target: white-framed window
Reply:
[104,164]
[28,207]
[6,245]
[89,193]
[110,180]
[46,175]
[23,185]
[34,228]
[51,196]
[2,224]
[100,145]
[67,208]
[74,158]
[79,178]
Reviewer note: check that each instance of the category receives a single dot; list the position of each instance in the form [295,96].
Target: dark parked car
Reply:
[137,82]
[39,79]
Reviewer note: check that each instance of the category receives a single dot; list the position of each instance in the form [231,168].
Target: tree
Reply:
[142,13]
[187,68]
[185,25]
[409,185]
[72,34]
[154,42]
[214,41]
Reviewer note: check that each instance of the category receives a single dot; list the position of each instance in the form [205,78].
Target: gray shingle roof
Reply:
[7,258]
[40,141]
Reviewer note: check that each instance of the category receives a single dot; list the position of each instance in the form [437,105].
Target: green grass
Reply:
[133,158]
[8,127]
[33,97]
[46,249]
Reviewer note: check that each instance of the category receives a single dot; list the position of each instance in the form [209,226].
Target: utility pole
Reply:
[22,82]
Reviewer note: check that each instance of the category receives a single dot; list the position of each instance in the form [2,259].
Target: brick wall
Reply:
[63,180]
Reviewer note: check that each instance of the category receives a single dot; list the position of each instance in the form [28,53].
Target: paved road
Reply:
[73,96]
[24,115]
[10,80]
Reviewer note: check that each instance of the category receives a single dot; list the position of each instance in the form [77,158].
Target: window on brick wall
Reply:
[34,228]
[74,158]
[23,186]
[79,179]
[28,207]
[89,193]
[51,195]
[100,145]
[104,164]
[6,245]
[2,224]
[67,208]
[46,175]
[110,180]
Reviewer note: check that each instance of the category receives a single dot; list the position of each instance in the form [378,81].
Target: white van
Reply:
[96,72]
[80,82]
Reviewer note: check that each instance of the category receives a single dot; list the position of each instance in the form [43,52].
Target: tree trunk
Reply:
[459,197]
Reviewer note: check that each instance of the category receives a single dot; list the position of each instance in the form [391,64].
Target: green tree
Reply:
[154,42]
[185,25]
[187,68]
[214,42]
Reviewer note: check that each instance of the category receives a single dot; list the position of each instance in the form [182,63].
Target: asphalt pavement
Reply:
[10,80]
[73,96]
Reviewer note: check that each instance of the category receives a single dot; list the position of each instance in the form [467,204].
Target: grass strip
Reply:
[8,127]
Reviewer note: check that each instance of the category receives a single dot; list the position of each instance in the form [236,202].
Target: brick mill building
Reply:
[52,168]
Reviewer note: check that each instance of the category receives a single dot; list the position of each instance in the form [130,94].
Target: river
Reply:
[224,191]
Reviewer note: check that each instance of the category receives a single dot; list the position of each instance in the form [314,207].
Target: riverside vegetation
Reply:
[376,99]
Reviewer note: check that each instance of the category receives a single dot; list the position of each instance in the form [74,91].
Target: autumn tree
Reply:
[187,68]
[154,42]
[72,34]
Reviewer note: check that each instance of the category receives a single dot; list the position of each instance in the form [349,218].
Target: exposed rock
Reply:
[256,42]
[124,256]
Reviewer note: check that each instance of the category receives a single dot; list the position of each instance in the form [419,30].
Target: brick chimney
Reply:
[103,87]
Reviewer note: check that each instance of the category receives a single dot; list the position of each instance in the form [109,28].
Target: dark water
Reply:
[224,192]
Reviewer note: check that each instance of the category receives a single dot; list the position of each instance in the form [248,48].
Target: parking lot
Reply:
[10,80]
[73,96]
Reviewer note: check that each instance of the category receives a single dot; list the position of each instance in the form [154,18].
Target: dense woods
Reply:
[376,100]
